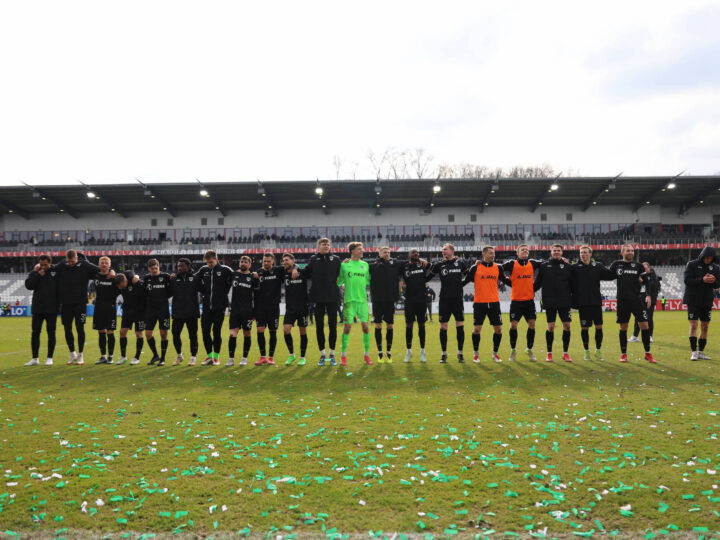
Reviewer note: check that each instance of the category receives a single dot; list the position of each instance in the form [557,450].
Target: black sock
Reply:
[645,334]
[289,343]
[623,341]
[566,340]
[408,337]
[232,345]
[139,347]
[247,340]
[513,338]
[50,344]
[421,335]
[530,338]
[443,340]
[102,341]
[35,343]
[497,339]
[69,338]
[123,347]
[389,340]
[549,338]
[81,338]
[163,348]
[261,342]
[151,344]
[378,339]
[303,345]
[598,338]
[693,343]
[460,337]
[585,336]
[111,344]
[476,341]
[701,344]
[273,342]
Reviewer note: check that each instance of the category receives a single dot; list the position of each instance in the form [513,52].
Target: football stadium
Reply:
[383,270]
[385,433]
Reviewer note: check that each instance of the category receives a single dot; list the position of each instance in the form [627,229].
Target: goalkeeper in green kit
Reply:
[355,277]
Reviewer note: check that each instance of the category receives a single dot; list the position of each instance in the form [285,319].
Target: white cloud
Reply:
[234,91]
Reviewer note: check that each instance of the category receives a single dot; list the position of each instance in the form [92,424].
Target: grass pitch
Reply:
[588,449]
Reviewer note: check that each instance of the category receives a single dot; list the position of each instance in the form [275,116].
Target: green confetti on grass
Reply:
[662,507]
[421,525]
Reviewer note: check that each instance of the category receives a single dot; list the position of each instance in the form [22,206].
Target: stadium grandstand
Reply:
[668,219]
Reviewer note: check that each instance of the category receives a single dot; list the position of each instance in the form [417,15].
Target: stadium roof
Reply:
[680,192]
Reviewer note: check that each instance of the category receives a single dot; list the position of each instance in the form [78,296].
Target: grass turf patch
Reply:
[587,448]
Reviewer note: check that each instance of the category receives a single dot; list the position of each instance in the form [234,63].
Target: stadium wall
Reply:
[357,216]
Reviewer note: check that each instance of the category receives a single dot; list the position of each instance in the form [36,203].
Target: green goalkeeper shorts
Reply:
[355,309]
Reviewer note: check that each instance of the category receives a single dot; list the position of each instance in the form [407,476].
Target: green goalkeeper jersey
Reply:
[355,275]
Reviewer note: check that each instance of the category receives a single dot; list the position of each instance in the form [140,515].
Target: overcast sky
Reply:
[169,91]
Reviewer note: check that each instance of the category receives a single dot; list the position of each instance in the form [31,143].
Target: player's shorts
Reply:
[635,307]
[383,311]
[105,318]
[72,312]
[415,311]
[553,312]
[491,310]
[522,308]
[296,316]
[242,319]
[451,307]
[268,315]
[590,315]
[161,319]
[128,321]
[703,313]
[355,309]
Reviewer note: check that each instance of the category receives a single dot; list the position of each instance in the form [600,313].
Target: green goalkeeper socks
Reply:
[346,340]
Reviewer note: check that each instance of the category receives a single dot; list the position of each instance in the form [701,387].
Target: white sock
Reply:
[322,353]
[332,352]
[422,350]
[193,358]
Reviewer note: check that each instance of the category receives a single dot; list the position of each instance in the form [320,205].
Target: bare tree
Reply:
[420,162]
[396,161]
[377,163]
[337,163]
[537,171]
[470,170]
